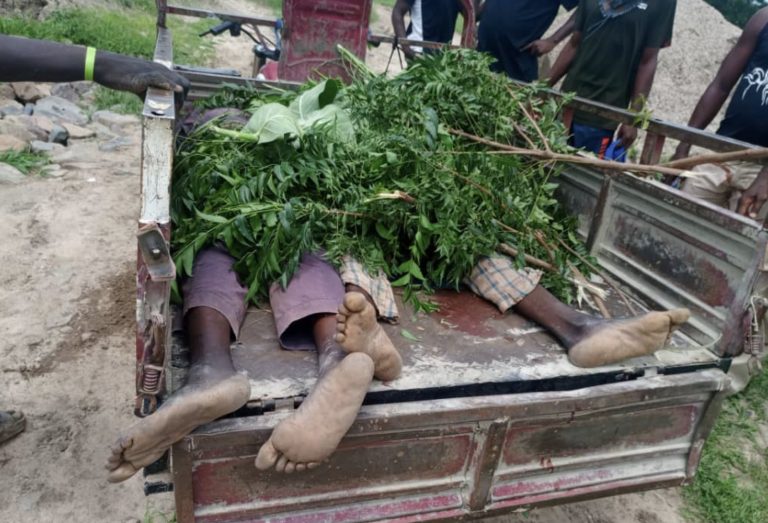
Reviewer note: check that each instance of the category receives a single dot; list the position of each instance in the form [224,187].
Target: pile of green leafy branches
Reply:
[375,170]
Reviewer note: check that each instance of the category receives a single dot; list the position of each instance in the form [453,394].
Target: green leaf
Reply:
[314,99]
[272,122]
[186,260]
[384,232]
[404,280]
[408,335]
[211,217]
[335,119]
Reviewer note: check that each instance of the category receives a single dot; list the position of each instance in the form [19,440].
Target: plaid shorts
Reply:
[498,280]
[494,278]
[378,287]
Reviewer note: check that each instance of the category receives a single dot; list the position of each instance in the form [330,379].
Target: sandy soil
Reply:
[67,312]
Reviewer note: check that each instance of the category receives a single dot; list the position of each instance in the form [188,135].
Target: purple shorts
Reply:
[315,288]
[215,284]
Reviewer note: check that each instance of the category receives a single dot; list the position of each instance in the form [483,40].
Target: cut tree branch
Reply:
[536,262]
[570,158]
[760,153]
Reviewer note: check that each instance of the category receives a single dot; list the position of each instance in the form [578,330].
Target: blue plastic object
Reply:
[615,152]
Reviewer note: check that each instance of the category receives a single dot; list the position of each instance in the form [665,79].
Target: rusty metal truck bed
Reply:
[488,415]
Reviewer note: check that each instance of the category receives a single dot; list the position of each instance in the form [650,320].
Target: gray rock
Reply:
[10,175]
[40,122]
[29,108]
[30,92]
[115,144]
[82,87]
[9,106]
[11,143]
[53,170]
[35,126]
[6,91]
[77,132]
[58,135]
[13,127]
[44,147]
[66,91]
[110,119]
[60,110]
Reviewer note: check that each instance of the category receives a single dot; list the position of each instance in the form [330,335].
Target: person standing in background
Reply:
[746,119]
[511,31]
[431,21]
[612,58]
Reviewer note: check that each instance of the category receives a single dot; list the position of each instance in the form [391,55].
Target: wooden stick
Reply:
[598,300]
[511,251]
[602,275]
[760,153]
[570,158]
[536,126]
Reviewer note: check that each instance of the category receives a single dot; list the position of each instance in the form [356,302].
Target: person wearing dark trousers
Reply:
[612,58]
[430,20]
[511,31]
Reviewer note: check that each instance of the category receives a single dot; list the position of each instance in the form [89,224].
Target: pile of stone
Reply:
[53,119]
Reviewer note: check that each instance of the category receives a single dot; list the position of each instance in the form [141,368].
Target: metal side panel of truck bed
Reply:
[489,415]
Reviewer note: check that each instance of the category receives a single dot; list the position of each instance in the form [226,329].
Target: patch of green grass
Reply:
[152,515]
[732,481]
[117,30]
[27,162]
[276,6]
[117,101]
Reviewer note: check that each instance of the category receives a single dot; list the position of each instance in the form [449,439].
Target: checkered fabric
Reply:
[498,280]
[378,287]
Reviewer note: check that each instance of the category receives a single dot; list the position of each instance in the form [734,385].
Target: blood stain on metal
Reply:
[467,312]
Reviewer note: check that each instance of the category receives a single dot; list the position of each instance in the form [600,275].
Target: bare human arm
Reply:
[23,59]
[565,59]
[398,24]
[646,71]
[755,196]
[730,70]
[545,45]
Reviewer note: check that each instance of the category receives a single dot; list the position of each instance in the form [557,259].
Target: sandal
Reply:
[12,423]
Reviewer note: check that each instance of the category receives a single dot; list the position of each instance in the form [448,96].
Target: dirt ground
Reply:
[67,305]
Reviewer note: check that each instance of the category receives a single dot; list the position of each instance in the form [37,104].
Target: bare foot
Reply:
[315,430]
[359,331]
[207,395]
[616,341]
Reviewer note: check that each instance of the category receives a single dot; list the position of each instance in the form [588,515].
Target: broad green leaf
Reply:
[272,122]
[314,99]
[334,118]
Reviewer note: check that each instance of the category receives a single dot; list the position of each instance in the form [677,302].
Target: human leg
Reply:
[214,308]
[589,341]
[368,298]
[313,432]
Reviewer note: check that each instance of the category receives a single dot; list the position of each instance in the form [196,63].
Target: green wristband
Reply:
[90,61]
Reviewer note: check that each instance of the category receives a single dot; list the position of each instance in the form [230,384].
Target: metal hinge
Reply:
[154,251]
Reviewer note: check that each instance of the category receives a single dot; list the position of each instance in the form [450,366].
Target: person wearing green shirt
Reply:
[612,58]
